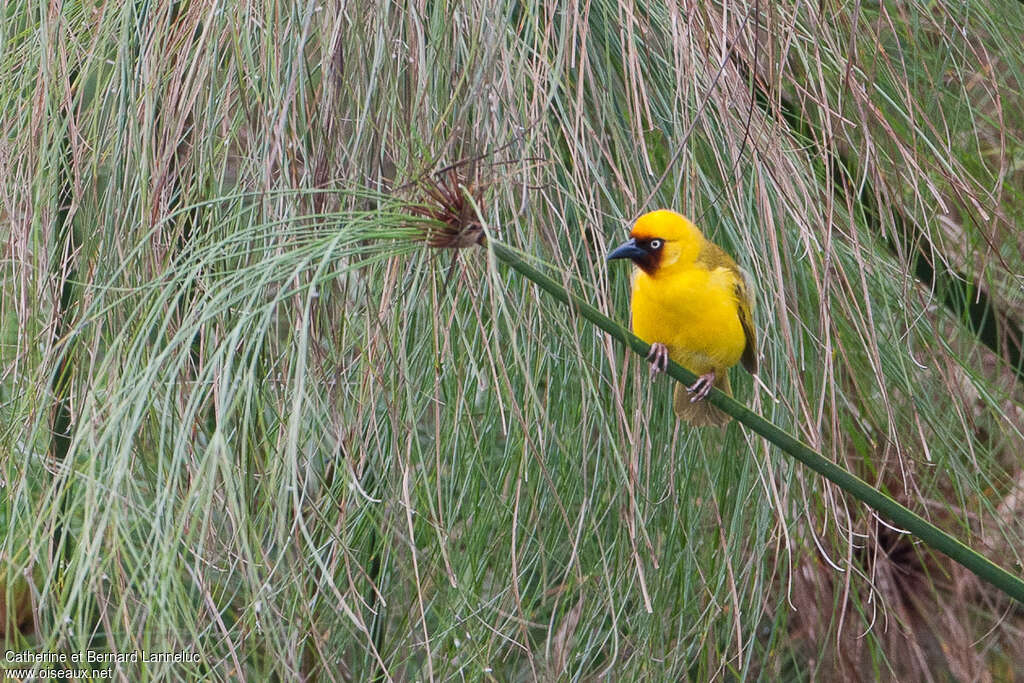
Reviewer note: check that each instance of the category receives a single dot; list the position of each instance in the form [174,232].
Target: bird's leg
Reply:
[702,387]
[658,355]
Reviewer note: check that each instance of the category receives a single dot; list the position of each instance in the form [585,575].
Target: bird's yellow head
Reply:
[660,241]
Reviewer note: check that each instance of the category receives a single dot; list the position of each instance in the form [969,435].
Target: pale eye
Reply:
[656,244]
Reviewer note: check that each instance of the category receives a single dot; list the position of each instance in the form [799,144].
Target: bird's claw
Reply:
[702,387]
[658,356]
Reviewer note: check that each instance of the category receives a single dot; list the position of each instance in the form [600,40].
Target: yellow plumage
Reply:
[690,296]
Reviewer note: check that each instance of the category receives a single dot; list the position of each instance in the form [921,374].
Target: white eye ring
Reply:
[655,244]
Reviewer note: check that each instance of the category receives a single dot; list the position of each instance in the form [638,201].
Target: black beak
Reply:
[627,250]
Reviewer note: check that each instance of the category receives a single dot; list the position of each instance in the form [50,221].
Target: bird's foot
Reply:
[702,387]
[658,355]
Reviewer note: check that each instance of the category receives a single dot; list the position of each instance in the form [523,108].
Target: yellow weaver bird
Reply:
[691,303]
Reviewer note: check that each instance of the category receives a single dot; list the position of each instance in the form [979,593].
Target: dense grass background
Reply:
[247,414]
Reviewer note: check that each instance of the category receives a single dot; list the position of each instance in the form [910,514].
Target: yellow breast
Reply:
[694,313]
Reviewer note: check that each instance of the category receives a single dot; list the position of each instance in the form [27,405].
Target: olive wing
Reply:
[713,257]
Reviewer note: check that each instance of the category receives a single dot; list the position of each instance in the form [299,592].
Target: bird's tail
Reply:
[702,413]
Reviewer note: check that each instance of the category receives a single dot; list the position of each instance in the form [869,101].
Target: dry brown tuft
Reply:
[448,198]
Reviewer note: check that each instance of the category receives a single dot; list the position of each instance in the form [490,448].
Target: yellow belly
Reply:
[694,313]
